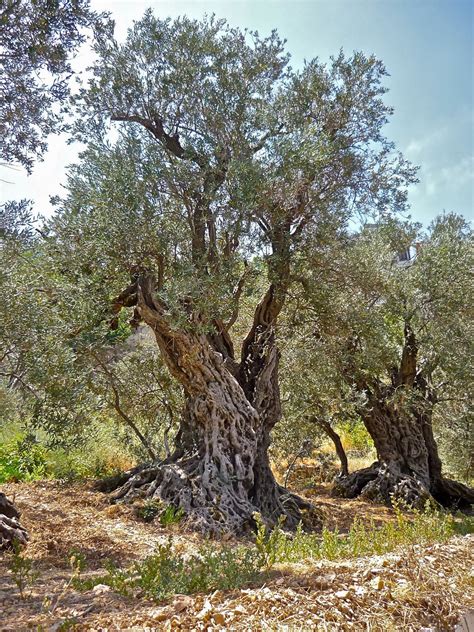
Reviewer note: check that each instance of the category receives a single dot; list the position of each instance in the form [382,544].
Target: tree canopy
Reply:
[38,39]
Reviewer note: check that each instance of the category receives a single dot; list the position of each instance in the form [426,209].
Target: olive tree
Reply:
[206,152]
[397,335]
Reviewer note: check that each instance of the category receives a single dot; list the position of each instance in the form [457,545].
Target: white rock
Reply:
[99,589]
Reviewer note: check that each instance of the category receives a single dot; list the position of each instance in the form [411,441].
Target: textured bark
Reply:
[408,467]
[398,417]
[258,377]
[219,473]
[11,531]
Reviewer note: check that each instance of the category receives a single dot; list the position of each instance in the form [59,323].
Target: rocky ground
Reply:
[415,588]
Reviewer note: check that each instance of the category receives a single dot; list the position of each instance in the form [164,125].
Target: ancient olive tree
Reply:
[400,350]
[205,151]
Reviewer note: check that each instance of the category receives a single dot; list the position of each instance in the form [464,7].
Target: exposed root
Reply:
[384,482]
[11,530]
[451,493]
[211,505]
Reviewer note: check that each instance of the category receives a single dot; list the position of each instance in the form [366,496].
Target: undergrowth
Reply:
[417,527]
[21,569]
[25,457]
[169,572]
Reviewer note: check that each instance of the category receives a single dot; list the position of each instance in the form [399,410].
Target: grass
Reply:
[417,527]
[168,515]
[169,572]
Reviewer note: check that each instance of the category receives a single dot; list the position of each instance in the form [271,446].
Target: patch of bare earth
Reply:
[411,589]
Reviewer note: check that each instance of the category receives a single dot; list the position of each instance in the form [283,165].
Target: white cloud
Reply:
[460,173]
[420,145]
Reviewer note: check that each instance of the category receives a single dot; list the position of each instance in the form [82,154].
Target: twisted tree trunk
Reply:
[219,473]
[398,417]
[408,466]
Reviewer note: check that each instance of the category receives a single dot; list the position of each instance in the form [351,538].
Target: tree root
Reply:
[11,530]
[211,505]
[385,482]
[453,494]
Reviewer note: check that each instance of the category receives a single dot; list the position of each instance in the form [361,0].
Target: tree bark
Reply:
[408,466]
[11,531]
[258,377]
[398,417]
[219,473]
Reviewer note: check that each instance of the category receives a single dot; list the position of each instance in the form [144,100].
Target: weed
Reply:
[417,527]
[171,515]
[168,516]
[268,542]
[77,564]
[22,571]
[23,459]
[149,510]
[167,572]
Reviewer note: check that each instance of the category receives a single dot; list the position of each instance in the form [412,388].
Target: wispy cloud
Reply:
[452,177]
[418,146]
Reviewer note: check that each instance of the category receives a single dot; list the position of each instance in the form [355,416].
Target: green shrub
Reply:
[171,515]
[22,570]
[417,527]
[167,572]
[354,436]
[268,542]
[168,515]
[149,510]
[23,459]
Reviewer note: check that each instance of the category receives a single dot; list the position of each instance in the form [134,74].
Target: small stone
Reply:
[219,618]
[206,611]
[377,583]
[342,594]
[181,602]
[99,589]
[161,614]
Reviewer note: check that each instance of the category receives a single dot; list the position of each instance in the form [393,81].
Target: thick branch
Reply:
[236,298]
[171,142]
[407,371]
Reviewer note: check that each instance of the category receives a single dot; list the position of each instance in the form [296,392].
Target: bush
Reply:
[23,459]
[416,527]
[354,436]
[167,572]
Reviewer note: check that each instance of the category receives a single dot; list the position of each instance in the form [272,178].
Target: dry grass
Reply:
[414,587]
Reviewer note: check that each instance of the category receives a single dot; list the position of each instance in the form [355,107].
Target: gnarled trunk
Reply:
[11,531]
[258,377]
[398,417]
[408,466]
[219,473]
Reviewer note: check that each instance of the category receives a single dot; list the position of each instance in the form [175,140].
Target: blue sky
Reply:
[426,45]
